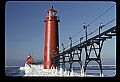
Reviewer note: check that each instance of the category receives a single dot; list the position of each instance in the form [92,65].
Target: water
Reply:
[12,69]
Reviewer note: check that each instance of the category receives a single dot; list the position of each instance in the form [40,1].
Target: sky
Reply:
[25,26]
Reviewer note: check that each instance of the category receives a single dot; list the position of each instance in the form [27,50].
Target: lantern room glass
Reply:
[51,13]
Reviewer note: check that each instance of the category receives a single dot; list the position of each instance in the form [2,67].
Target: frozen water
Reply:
[38,70]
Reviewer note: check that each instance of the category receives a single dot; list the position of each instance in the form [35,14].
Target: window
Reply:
[52,13]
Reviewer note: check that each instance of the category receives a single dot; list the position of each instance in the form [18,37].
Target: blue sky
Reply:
[25,26]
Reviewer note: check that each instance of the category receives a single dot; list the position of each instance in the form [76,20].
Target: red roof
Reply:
[29,60]
[51,10]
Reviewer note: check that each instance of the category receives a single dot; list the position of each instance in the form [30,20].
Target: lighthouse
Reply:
[51,40]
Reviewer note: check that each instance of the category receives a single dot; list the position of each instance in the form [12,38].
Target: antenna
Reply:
[32,53]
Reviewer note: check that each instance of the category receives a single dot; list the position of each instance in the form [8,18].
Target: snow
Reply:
[38,70]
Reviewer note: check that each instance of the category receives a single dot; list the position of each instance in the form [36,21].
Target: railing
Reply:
[51,18]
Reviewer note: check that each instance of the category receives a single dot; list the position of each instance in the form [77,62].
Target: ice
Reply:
[83,74]
[101,75]
[65,73]
[38,70]
[61,72]
[72,73]
[56,71]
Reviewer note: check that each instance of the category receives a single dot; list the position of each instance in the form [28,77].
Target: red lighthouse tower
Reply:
[51,42]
